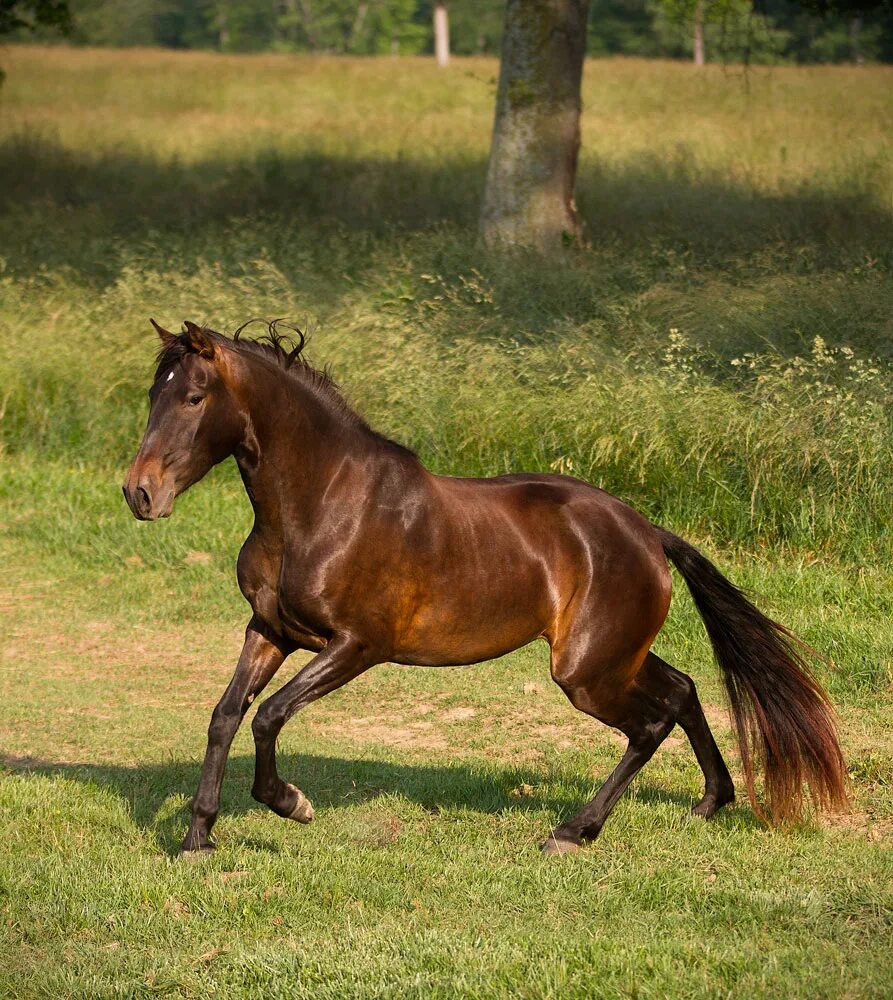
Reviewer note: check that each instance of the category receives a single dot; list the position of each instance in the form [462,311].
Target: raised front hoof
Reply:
[197,853]
[302,811]
[561,845]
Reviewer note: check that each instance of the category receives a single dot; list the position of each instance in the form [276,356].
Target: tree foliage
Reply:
[773,31]
[21,17]
[29,15]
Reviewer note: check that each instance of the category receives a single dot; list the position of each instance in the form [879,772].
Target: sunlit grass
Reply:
[420,875]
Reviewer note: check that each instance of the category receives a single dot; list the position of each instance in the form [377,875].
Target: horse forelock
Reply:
[170,355]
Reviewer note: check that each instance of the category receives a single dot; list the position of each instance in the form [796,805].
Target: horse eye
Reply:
[195,400]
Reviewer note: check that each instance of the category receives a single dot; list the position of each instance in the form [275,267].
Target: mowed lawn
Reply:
[719,355]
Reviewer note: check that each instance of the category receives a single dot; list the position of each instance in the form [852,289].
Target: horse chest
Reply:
[261,579]
[300,610]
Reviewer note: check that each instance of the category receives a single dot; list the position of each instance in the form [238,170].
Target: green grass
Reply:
[719,356]
[421,874]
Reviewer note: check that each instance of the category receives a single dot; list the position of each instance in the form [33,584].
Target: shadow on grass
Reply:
[337,783]
[649,202]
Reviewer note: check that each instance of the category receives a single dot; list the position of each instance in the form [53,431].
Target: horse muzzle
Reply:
[148,496]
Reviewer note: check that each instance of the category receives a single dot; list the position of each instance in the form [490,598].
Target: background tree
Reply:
[27,16]
[475,27]
[529,193]
[758,31]
[441,33]
[699,34]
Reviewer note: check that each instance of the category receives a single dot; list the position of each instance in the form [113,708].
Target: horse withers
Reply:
[361,555]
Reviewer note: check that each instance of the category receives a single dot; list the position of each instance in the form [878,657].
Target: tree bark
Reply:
[699,33]
[529,193]
[441,34]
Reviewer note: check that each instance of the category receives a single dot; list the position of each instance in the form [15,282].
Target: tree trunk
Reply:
[222,25]
[855,40]
[307,21]
[529,193]
[441,34]
[357,26]
[699,33]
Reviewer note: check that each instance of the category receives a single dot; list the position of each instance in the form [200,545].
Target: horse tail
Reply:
[782,716]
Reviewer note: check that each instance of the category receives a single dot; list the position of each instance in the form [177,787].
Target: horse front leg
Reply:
[261,657]
[342,659]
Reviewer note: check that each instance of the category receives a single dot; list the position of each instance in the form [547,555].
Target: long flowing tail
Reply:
[782,715]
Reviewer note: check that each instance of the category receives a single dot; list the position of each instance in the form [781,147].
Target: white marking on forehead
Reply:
[170,375]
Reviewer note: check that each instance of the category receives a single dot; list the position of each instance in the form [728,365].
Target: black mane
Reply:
[287,355]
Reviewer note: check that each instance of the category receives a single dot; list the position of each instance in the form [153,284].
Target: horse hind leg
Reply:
[719,790]
[646,710]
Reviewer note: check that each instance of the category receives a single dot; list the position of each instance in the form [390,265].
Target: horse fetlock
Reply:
[711,803]
[205,811]
[262,793]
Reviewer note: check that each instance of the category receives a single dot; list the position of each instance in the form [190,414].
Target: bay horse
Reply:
[361,555]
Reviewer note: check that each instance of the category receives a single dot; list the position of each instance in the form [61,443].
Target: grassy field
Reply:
[720,355]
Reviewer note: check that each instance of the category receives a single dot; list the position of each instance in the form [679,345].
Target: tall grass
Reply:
[719,355]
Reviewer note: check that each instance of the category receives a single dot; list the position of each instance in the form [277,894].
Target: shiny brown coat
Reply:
[362,555]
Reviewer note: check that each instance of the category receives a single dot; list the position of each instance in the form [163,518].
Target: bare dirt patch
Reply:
[878,829]
[384,730]
[461,714]
[97,650]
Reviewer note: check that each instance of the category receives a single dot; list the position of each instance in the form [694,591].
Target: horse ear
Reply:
[199,340]
[167,338]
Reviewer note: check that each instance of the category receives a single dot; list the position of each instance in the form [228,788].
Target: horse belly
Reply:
[471,624]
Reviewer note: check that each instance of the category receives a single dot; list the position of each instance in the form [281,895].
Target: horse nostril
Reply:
[143,498]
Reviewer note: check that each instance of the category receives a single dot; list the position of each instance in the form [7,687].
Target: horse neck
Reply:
[293,444]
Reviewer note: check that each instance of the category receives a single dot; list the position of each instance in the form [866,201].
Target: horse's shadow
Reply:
[339,783]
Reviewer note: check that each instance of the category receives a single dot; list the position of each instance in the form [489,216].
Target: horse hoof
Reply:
[703,810]
[560,846]
[303,810]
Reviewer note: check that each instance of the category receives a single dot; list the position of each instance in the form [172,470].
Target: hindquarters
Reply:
[620,599]
[602,661]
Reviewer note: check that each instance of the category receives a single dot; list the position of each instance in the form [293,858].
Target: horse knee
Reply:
[224,723]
